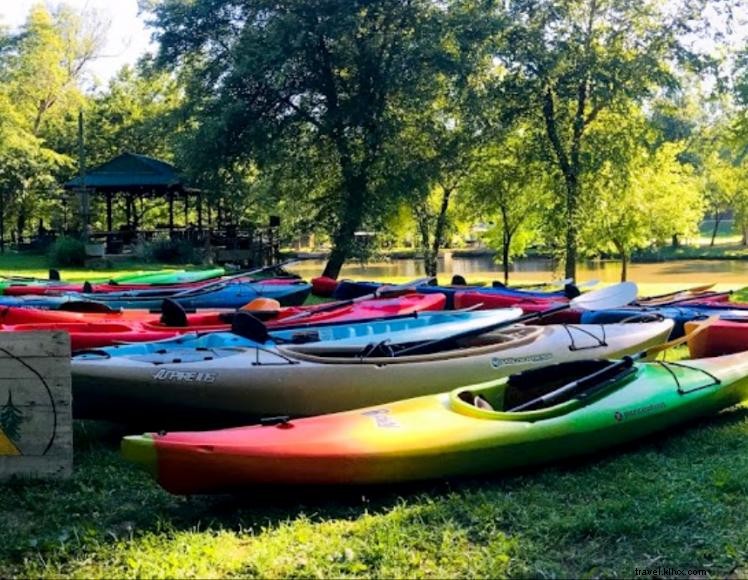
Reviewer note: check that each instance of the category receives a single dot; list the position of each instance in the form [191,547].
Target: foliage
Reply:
[138,113]
[639,196]
[339,80]
[509,189]
[169,251]
[67,251]
[40,72]
[570,61]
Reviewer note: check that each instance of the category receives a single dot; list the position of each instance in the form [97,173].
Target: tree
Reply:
[40,72]
[567,62]
[140,112]
[510,186]
[644,201]
[341,78]
[11,419]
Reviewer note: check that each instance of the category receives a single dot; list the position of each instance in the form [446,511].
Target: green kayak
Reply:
[168,277]
[538,416]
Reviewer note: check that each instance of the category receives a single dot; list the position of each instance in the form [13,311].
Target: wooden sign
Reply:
[36,436]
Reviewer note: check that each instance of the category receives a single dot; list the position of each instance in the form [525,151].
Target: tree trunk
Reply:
[350,221]
[569,164]
[745,234]
[431,258]
[676,241]
[624,260]
[572,192]
[2,224]
[717,219]
[505,254]
[430,262]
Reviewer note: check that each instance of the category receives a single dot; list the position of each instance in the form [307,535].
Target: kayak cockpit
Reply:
[542,393]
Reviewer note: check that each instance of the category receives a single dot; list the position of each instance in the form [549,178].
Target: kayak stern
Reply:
[141,450]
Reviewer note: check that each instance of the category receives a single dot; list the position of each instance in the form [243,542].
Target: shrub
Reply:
[170,251]
[66,251]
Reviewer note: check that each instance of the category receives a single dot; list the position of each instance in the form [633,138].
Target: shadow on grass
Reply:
[582,506]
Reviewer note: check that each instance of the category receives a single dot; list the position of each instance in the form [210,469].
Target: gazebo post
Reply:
[200,210]
[109,211]
[128,210]
[171,213]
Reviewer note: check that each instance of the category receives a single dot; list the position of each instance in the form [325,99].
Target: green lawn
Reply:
[675,500]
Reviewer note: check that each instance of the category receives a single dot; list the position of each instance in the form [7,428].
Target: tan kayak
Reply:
[238,383]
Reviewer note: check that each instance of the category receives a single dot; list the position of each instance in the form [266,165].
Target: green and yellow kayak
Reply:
[494,426]
[170,277]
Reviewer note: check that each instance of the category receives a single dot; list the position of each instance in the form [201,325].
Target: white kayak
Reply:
[235,383]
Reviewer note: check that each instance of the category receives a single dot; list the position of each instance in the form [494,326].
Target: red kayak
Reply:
[487,300]
[324,286]
[95,330]
[718,338]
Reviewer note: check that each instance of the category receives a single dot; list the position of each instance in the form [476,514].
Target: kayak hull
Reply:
[259,382]
[438,436]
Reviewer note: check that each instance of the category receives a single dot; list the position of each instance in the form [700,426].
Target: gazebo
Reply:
[138,176]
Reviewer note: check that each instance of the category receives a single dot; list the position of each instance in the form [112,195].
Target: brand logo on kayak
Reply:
[185,376]
[382,418]
[497,362]
[620,416]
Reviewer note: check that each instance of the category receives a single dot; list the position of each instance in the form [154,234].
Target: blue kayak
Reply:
[679,314]
[422,326]
[229,295]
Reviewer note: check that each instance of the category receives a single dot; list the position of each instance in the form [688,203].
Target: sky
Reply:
[127,38]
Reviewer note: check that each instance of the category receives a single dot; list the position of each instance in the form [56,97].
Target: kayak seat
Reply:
[534,383]
[571,291]
[172,314]
[249,327]
[478,401]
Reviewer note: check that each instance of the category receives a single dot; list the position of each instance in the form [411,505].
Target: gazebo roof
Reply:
[132,172]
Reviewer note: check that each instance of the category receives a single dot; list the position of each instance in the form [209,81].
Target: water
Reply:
[685,272]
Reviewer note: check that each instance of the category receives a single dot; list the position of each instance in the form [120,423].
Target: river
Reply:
[685,272]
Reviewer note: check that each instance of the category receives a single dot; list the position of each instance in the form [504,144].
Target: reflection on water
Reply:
[681,271]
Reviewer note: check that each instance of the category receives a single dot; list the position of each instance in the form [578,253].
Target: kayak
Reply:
[482,300]
[242,380]
[221,295]
[170,277]
[324,286]
[56,288]
[348,289]
[14,285]
[87,287]
[133,289]
[96,330]
[679,314]
[468,431]
[724,336]
[352,337]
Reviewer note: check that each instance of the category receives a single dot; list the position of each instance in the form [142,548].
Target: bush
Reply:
[67,252]
[169,251]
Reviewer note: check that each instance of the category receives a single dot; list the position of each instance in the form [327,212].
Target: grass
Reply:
[678,499]
[675,500]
